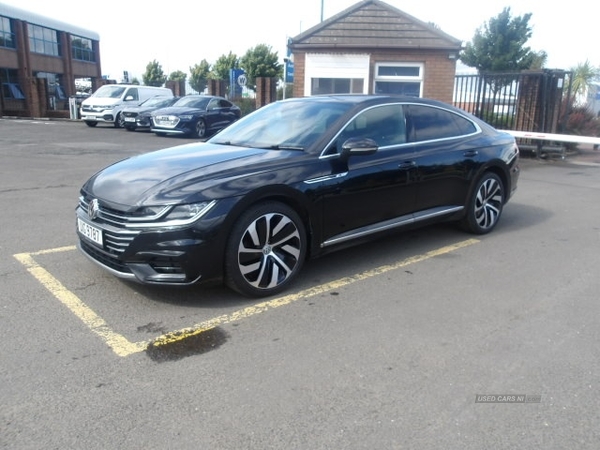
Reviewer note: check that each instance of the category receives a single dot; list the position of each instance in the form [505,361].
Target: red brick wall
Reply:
[299,71]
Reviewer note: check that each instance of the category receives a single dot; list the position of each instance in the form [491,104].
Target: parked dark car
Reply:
[138,117]
[195,115]
[294,179]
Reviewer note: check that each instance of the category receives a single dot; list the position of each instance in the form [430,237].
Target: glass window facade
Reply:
[43,40]
[7,37]
[81,49]
[10,84]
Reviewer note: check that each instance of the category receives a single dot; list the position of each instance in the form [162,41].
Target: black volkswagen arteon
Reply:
[290,181]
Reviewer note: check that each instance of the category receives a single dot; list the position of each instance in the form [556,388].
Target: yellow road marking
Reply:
[117,342]
[122,347]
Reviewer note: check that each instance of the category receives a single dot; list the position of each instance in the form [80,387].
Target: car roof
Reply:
[375,98]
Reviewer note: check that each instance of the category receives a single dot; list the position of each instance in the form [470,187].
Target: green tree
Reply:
[582,76]
[154,75]
[539,60]
[198,75]
[261,61]
[178,75]
[499,45]
[221,68]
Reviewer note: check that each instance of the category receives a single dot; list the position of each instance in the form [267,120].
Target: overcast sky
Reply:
[134,33]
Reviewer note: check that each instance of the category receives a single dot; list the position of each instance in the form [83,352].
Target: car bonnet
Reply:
[166,175]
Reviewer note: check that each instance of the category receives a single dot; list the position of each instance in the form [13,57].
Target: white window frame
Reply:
[400,79]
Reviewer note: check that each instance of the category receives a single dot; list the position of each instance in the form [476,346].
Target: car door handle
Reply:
[470,153]
[407,164]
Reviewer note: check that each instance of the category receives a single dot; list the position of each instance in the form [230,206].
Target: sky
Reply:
[132,33]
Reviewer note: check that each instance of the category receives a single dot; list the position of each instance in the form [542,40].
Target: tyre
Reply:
[485,205]
[119,121]
[129,128]
[265,251]
[201,128]
[90,123]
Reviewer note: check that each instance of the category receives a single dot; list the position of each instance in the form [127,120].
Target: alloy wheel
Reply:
[488,203]
[269,250]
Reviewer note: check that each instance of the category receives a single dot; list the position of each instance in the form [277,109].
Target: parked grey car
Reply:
[138,117]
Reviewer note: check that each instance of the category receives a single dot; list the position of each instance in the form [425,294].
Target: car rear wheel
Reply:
[201,128]
[265,251]
[485,206]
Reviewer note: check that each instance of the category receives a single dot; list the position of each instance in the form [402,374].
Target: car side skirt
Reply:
[398,222]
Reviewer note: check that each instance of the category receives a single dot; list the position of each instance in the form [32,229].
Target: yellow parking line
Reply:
[117,342]
[311,292]
[122,347]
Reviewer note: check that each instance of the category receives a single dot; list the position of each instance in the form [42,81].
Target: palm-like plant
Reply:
[582,77]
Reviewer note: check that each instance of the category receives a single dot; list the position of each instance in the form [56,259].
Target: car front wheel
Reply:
[201,128]
[119,121]
[90,123]
[485,206]
[266,250]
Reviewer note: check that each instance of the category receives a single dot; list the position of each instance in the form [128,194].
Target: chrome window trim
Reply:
[478,130]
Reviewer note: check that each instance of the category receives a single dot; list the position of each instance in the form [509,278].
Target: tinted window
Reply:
[193,102]
[384,124]
[218,103]
[427,123]
[132,94]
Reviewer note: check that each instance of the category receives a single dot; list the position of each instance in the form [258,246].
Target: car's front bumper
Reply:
[177,256]
[173,131]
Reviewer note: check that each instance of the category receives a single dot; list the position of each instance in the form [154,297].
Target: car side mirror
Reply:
[358,146]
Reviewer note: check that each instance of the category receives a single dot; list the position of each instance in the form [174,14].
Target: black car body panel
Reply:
[168,216]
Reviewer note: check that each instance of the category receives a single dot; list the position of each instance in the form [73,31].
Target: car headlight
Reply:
[186,117]
[170,216]
[186,212]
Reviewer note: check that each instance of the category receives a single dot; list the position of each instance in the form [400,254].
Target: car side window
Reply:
[384,124]
[425,123]
[213,104]
[132,94]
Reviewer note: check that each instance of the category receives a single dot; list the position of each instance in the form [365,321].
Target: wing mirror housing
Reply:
[357,147]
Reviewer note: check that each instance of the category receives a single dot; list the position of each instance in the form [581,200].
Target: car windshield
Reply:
[291,124]
[193,102]
[109,92]
[157,101]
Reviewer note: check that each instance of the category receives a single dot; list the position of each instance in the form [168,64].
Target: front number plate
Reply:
[90,232]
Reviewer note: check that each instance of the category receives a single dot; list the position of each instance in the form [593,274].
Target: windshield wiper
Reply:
[285,147]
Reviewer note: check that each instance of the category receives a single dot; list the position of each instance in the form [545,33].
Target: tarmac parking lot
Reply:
[430,339]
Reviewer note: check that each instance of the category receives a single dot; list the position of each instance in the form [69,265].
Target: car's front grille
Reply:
[88,108]
[166,121]
[129,114]
[104,258]
[116,237]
